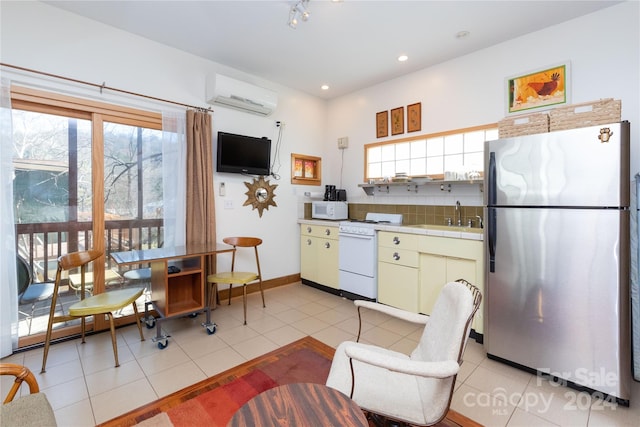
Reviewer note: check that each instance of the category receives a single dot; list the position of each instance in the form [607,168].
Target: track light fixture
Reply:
[298,11]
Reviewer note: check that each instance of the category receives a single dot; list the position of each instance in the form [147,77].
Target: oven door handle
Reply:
[355,236]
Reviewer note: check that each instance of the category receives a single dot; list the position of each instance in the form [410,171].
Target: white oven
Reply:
[358,264]
[358,257]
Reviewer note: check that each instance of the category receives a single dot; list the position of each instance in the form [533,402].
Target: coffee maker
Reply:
[329,193]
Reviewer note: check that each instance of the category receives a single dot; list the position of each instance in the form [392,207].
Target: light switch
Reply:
[223,189]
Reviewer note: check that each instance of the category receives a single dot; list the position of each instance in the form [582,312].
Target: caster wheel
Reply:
[162,345]
[150,323]
[193,315]
[211,329]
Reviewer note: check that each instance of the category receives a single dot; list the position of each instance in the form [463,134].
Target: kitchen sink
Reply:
[448,228]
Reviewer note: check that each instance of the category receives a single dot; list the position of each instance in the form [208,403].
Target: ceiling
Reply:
[347,45]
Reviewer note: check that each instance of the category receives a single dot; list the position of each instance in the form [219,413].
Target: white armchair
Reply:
[415,388]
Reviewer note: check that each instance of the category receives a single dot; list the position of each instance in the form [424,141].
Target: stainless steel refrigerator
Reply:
[557,242]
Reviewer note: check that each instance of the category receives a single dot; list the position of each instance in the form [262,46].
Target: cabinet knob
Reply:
[308,229]
[327,245]
[308,242]
[396,256]
[327,231]
[396,240]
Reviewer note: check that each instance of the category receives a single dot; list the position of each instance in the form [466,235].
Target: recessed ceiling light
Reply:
[402,58]
[462,34]
[324,87]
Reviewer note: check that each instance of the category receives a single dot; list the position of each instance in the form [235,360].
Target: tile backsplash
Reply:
[414,214]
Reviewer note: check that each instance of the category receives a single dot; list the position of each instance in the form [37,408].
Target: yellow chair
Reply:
[237,278]
[105,303]
[31,410]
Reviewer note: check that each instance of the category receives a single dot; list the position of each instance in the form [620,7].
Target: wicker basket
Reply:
[526,124]
[591,113]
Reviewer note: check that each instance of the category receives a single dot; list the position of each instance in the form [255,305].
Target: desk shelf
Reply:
[181,292]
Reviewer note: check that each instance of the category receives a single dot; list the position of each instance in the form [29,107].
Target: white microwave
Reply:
[329,210]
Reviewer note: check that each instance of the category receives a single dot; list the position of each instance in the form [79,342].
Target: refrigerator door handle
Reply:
[491,212]
[491,190]
[491,232]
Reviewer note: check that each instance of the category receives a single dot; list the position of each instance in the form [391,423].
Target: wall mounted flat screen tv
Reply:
[243,154]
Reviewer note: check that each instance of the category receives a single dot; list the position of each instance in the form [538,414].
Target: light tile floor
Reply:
[85,389]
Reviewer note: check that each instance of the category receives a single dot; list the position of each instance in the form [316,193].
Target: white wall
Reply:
[603,49]
[37,36]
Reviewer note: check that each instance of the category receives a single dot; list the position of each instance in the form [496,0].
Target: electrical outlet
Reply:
[228,204]
[343,142]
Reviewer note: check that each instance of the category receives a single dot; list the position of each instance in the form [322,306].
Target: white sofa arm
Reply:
[393,311]
[443,369]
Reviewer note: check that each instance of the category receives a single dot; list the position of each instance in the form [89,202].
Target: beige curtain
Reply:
[200,216]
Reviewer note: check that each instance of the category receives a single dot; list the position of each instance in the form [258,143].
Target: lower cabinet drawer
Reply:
[408,258]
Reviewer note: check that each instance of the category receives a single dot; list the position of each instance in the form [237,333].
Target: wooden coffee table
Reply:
[299,404]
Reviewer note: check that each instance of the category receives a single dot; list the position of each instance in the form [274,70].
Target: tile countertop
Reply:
[467,233]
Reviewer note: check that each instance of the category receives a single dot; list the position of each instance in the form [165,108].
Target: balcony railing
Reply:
[41,244]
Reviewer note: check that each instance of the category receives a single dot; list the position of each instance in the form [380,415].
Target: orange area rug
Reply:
[212,402]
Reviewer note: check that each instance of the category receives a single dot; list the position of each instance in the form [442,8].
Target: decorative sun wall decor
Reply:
[260,194]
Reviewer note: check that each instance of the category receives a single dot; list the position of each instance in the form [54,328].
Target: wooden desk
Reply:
[175,294]
[299,404]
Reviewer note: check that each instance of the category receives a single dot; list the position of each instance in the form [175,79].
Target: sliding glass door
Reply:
[86,175]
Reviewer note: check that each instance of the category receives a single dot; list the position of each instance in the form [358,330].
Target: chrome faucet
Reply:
[459,213]
[480,221]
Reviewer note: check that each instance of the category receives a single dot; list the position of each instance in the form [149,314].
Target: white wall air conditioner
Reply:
[232,93]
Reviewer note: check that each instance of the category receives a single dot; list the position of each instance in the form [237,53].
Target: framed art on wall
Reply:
[540,89]
[414,117]
[397,121]
[382,124]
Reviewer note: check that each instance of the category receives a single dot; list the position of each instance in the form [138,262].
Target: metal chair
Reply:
[137,275]
[415,389]
[237,278]
[102,304]
[30,292]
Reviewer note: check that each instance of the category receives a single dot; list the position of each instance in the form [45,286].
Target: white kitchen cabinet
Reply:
[444,259]
[398,276]
[319,254]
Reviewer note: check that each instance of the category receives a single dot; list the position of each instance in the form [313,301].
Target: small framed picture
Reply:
[539,89]
[397,121]
[382,124]
[414,117]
